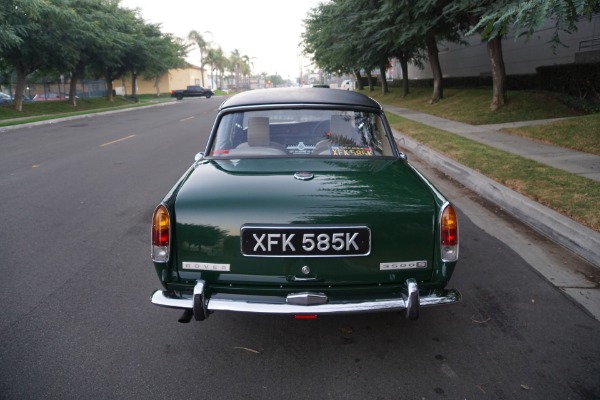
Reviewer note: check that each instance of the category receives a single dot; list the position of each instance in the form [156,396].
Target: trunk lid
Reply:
[387,196]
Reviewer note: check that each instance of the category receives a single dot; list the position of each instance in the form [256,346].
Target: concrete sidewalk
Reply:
[575,162]
[572,235]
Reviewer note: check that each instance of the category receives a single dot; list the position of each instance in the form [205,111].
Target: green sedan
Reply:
[302,205]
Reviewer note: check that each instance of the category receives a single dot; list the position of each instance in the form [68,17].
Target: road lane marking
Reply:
[185,119]
[118,140]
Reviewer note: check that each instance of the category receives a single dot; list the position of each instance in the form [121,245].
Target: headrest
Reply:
[340,126]
[258,131]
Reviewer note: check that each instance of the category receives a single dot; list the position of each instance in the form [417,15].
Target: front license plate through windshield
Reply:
[312,241]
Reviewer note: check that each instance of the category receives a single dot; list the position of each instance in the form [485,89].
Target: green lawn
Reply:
[579,132]
[472,105]
[44,110]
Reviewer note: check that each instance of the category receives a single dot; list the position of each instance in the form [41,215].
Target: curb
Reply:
[562,230]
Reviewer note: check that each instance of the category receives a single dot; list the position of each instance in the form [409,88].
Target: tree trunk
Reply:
[384,85]
[404,67]
[157,85]
[109,86]
[21,76]
[499,92]
[359,84]
[202,66]
[72,88]
[134,85]
[370,81]
[436,69]
[75,75]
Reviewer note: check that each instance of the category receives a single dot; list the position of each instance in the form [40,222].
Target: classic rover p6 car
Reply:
[303,205]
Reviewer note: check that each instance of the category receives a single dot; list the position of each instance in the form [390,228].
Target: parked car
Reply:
[192,91]
[5,98]
[303,205]
[346,84]
[320,85]
[8,99]
[50,97]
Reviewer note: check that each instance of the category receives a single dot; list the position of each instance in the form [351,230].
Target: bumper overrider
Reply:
[200,306]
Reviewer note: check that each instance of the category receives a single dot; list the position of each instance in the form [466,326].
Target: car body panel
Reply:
[50,97]
[353,193]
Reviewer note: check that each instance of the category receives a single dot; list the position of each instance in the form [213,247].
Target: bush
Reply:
[514,82]
[578,80]
[578,103]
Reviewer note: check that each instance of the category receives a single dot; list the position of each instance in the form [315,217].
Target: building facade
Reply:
[522,55]
[174,79]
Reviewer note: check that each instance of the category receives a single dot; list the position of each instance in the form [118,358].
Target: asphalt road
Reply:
[76,322]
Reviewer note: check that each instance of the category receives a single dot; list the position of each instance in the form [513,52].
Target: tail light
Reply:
[161,234]
[449,234]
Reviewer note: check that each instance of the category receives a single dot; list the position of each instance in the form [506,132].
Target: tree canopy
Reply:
[343,36]
[75,37]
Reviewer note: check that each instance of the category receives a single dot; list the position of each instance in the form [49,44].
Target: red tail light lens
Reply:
[449,234]
[161,234]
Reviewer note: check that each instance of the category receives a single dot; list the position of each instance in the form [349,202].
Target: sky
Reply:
[267,31]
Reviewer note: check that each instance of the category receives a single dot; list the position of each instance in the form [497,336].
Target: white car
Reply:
[346,84]
[5,98]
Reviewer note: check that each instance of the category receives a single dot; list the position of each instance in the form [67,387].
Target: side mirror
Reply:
[199,157]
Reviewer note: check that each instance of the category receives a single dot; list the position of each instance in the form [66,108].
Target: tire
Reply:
[208,95]
[179,96]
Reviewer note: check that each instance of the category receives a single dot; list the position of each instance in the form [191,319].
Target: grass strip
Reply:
[472,105]
[573,196]
[42,111]
[581,133]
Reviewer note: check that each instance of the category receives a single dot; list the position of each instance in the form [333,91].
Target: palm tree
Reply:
[216,60]
[240,65]
[235,62]
[202,44]
[246,70]
[218,63]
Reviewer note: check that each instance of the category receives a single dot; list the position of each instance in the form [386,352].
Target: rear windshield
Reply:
[301,132]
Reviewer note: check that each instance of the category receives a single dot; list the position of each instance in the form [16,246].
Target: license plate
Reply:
[301,241]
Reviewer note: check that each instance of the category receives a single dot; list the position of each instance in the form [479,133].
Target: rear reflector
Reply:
[303,316]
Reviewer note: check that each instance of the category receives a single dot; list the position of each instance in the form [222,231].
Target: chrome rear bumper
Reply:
[305,303]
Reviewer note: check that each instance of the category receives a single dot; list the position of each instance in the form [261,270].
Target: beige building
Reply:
[173,80]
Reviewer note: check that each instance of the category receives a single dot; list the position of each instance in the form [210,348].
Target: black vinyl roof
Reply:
[298,96]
